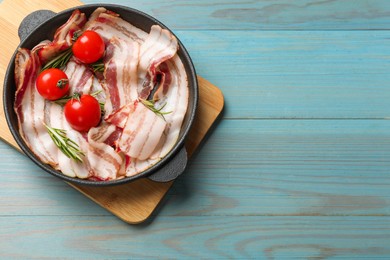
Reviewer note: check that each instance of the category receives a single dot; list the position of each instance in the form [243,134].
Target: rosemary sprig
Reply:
[62,101]
[76,35]
[97,66]
[60,61]
[158,111]
[65,144]
[95,94]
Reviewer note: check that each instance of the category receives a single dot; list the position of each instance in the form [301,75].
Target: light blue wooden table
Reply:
[299,166]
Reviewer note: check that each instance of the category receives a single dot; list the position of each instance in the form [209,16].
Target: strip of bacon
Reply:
[137,166]
[63,36]
[173,93]
[69,166]
[159,46]
[142,132]
[108,24]
[119,118]
[120,73]
[104,160]
[66,32]
[30,108]
[80,77]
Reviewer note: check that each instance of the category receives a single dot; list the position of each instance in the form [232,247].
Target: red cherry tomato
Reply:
[82,113]
[52,84]
[89,47]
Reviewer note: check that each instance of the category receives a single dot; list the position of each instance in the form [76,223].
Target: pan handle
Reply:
[32,21]
[172,169]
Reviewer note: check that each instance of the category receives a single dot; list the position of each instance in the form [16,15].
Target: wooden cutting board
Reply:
[133,202]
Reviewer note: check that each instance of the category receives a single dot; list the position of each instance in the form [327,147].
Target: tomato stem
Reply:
[62,83]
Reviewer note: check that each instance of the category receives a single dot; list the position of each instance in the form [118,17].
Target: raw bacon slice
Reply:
[173,95]
[80,77]
[119,118]
[142,132]
[30,108]
[137,166]
[159,46]
[66,32]
[69,166]
[108,24]
[104,161]
[46,50]
[120,73]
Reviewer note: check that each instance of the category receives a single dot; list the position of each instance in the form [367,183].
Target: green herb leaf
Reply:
[65,144]
[60,61]
[97,66]
[76,35]
[62,101]
[158,111]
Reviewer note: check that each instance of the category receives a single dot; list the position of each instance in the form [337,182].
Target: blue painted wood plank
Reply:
[296,74]
[244,237]
[246,167]
[267,15]
[289,167]
[27,190]
[264,188]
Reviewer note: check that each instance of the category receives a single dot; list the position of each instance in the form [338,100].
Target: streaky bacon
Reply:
[173,95]
[142,132]
[47,50]
[119,117]
[63,36]
[108,24]
[137,166]
[103,159]
[66,32]
[69,166]
[80,77]
[30,108]
[159,46]
[120,73]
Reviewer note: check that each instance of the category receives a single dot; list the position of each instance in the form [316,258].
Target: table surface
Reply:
[297,167]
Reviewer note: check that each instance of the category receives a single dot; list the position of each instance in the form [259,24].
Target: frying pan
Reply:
[41,25]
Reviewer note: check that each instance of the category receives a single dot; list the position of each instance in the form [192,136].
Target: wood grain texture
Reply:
[245,237]
[297,168]
[267,15]
[280,167]
[300,74]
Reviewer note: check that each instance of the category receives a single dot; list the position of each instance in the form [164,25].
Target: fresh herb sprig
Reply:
[98,67]
[65,144]
[158,111]
[59,61]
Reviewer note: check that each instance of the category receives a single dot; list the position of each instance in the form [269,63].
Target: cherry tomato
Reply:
[89,47]
[82,112]
[52,84]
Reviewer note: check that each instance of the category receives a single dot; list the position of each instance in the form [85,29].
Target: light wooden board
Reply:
[133,202]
